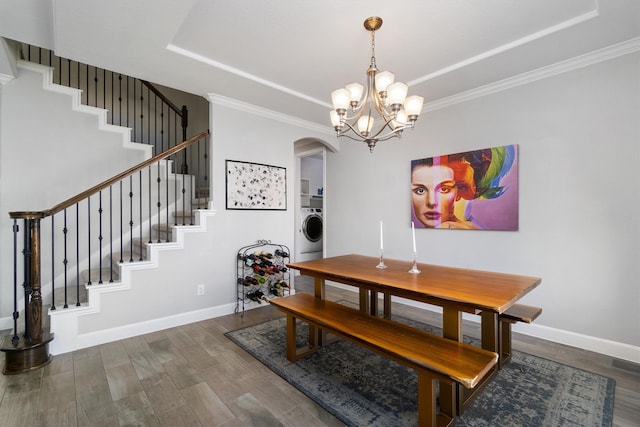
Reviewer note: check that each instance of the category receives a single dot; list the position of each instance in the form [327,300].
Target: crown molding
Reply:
[200,58]
[269,114]
[595,57]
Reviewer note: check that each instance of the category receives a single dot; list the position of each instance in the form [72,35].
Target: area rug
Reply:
[362,388]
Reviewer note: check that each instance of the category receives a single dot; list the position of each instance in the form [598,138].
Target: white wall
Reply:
[579,138]
[48,153]
[249,137]
[311,168]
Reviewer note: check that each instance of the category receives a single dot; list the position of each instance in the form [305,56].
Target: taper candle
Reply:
[381,238]
[413,233]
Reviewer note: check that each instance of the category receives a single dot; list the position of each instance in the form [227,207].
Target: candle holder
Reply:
[414,268]
[381,263]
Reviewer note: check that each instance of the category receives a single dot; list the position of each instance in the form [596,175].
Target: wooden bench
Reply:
[515,313]
[434,358]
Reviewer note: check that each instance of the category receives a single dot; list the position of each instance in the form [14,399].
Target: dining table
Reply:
[455,290]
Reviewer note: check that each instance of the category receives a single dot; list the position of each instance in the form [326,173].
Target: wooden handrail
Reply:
[93,190]
[160,95]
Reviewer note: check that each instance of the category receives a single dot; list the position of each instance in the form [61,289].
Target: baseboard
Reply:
[135,329]
[6,323]
[597,345]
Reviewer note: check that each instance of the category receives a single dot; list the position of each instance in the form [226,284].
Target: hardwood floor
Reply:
[194,376]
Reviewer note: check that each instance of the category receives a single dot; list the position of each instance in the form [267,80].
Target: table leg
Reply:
[452,323]
[387,306]
[452,329]
[316,335]
[373,309]
[319,287]
[490,331]
[364,300]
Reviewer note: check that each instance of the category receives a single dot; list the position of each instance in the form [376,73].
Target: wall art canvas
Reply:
[256,186]
[471,190]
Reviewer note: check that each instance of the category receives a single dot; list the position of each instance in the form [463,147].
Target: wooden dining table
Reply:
[455,290]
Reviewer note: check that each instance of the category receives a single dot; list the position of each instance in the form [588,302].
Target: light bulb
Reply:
[355,90]
[340,99]
[413,106]
[383,79]
[365,123]
[396,93]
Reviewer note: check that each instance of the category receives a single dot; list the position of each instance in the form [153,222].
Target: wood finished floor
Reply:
[193,376]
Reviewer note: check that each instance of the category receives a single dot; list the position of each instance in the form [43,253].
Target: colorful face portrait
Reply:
[472,190]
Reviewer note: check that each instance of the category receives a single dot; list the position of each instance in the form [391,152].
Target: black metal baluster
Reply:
[141,215]
[119,99]
[78,254]
[206,169]
[16,314]
[159,203]
[128,84]
[89,237]
[104,89]
[113,119]
[190,192]
[110,234]
[155,124]
[149,202]
[176,200]
[121,224]
[135,133]
[149,117]
[100,237]
[95,86]
[88,84]
[65,261]
[167,171]
[53,265]
[131,218]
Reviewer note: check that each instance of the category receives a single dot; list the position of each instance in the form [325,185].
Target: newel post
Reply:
[32,350]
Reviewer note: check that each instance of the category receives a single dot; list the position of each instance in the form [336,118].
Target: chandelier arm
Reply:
[351,137]
[354,130]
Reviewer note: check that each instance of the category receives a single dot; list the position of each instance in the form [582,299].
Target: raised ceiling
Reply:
[288,56]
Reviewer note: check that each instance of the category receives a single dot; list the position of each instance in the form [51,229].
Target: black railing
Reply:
[130,102]
[85,230]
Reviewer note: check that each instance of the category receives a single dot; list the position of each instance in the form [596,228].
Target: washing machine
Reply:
[312,225]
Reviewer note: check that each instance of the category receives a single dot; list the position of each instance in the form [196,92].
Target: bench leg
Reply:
[293,352]
[428,415]
[505,342]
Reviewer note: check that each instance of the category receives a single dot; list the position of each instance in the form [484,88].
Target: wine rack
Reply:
[262,273]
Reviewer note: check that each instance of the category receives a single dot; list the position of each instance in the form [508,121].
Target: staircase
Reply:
[112,284]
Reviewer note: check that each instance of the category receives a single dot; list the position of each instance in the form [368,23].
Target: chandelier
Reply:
[385,99]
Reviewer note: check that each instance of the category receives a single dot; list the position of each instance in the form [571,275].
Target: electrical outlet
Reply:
[201,289]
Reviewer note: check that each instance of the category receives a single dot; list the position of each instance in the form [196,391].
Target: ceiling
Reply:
[288,56]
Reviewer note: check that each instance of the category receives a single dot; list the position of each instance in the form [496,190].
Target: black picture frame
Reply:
[255,186]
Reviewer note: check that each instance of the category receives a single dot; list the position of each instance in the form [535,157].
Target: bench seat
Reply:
[521,313]
[434,358]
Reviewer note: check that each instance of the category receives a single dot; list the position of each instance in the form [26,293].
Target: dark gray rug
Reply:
[363,389]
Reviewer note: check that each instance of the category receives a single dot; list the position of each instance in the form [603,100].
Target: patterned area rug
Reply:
[362,388]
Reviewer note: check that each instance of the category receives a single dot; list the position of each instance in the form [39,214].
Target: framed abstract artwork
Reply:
[254,186]
[471,190]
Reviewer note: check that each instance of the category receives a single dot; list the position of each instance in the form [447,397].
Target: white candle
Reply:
[413,233]
[381,238]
